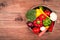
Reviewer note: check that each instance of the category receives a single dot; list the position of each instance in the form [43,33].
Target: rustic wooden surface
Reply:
[13,28]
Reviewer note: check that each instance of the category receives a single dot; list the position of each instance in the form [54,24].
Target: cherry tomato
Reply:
[36,30]
[47,12]
[42,17]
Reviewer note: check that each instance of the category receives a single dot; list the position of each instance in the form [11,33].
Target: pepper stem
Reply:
[38,22]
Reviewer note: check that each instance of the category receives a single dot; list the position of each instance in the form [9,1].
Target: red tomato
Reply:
[36,30]
[42,17]
[47,12]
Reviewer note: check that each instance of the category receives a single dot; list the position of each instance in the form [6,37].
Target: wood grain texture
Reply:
[12,28]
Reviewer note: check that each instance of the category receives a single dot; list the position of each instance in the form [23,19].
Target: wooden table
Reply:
[12,27]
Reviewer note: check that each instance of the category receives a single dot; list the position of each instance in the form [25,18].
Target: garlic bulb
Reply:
[53,16]
[42,28]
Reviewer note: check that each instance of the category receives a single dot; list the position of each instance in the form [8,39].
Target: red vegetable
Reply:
[42,17]
[51,26]
[29,24]
[36,30]
[37,22]
[47,12]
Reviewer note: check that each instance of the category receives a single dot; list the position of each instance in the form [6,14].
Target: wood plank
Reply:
[12,24]
[15,29]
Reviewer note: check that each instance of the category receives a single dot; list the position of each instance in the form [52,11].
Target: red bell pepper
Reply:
[51,26]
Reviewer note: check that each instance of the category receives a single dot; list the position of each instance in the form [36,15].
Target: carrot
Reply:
[41,33]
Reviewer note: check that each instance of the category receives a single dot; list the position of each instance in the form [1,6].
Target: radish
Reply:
[53,16]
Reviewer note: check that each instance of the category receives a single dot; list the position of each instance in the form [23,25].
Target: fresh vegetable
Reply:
[41,8]
[42,28]
[38,13]
[47,27]
[42,17]
[30,24]
[53,16]
[51,26]
[47,12]
[43,12]
[37,22]
[31,15]
[46,22]
[36,30]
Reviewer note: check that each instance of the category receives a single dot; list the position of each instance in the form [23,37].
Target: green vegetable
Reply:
[31,15]
[41,7]
[46,22]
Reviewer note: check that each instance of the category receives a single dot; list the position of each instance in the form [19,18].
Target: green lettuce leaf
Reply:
[31,15]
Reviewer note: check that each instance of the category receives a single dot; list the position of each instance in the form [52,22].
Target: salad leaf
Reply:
[31,15]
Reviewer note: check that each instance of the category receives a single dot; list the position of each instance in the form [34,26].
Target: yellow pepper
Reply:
[47,27]
[38,13]
[43,12]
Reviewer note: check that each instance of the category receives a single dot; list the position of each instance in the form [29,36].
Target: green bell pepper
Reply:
[46,22]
